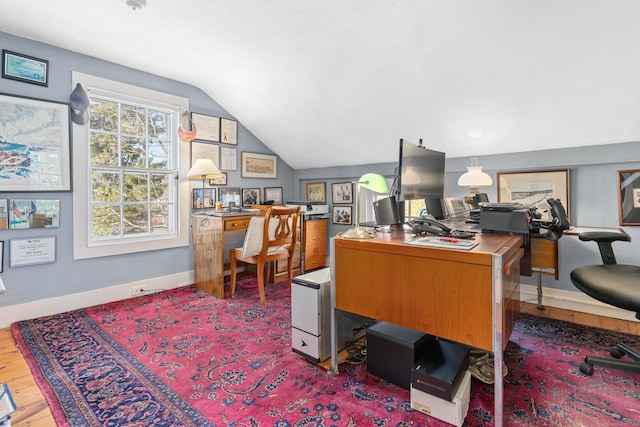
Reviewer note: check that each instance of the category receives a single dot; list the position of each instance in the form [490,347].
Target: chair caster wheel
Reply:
[615,352]
[586,368]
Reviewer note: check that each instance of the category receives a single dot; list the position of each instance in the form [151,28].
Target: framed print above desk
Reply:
[533,188]
[629,197]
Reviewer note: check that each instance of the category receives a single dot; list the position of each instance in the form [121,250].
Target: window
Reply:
[127,162]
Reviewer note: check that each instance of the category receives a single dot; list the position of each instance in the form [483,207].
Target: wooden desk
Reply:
[209,252]
[470,297]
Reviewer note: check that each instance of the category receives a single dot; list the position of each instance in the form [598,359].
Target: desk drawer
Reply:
[236,224]
[312,261]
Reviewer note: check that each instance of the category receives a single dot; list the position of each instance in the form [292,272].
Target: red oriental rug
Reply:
[184,358]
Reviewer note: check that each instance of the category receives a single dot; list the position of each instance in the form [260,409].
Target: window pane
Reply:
[105,186]
[158,153]
[136,219]
[132,120]
[134,188]
[103,115]
[104,149]
[160,218]
[160,188]
[132,152]
[159,124]
[106,221]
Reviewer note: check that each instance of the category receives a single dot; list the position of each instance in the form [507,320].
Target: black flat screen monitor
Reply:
[420,172]
[386,211]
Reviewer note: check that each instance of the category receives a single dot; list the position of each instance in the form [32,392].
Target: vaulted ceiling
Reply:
[335,82]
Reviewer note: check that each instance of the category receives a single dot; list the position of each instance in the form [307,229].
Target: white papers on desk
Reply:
[443,242]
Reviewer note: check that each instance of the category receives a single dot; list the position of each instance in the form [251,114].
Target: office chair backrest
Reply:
[559,220]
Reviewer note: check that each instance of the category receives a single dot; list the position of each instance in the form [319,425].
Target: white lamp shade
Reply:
[474,177]
[202,169]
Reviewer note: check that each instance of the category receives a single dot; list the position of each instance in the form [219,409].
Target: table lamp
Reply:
[373,182]
[203,169]
[474,178]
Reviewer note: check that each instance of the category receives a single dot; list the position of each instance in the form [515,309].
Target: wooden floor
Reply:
[34,411]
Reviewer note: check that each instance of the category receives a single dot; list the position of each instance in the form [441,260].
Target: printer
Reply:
[505,217]
[310,210]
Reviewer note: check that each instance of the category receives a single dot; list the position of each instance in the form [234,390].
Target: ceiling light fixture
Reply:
[135,4]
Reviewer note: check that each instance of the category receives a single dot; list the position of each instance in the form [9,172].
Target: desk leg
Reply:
[498,328]
[540,306]
[334,332]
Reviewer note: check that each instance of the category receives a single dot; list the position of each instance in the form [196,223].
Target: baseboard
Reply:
[49,306]
[576,301]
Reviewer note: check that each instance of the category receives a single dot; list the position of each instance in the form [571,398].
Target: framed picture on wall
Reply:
[342,192]
[533,188]
[316,192]
[255,165]
[341,215]
[36,149]
[207,127]
[629,197]
[229,131]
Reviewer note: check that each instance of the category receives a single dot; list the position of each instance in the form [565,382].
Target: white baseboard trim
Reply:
[49,306]
[576,301]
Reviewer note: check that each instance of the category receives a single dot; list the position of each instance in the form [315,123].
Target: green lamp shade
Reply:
[374,182]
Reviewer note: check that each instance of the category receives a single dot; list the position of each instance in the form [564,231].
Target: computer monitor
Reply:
[386,211]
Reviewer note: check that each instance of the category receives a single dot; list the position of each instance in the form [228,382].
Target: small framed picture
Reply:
[273,194]
[316,192]
[203,198]
[229,131]
[28,213]
[229,196]
[24,68]
[228,158]
[342,192]
[250,196]
[221,180]
[4,217]
[341,215]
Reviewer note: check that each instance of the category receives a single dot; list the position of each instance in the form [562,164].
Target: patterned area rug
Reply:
[183,358]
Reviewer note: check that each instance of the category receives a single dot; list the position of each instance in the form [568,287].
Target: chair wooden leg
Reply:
[260,274]
[232,261]
[290,270]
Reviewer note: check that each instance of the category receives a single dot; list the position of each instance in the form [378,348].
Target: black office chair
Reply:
[614,284]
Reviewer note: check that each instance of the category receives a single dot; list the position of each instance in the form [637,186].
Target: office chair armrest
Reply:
[603,236]
[604,240]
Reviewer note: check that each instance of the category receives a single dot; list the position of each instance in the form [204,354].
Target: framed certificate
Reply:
[32,250]
[207,127]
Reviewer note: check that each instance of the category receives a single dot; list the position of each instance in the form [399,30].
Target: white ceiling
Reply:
[338,82]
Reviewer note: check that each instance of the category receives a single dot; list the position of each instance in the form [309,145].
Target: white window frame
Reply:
[83,247]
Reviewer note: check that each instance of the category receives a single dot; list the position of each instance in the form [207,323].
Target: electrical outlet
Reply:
[138,290]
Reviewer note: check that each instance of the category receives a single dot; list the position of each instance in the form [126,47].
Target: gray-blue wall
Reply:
[67,276]
[593,192]
[593,189]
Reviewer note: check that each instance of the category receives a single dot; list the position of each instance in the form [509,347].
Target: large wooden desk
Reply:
[470,297]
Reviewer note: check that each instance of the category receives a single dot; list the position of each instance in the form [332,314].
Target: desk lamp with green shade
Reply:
[373,182]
